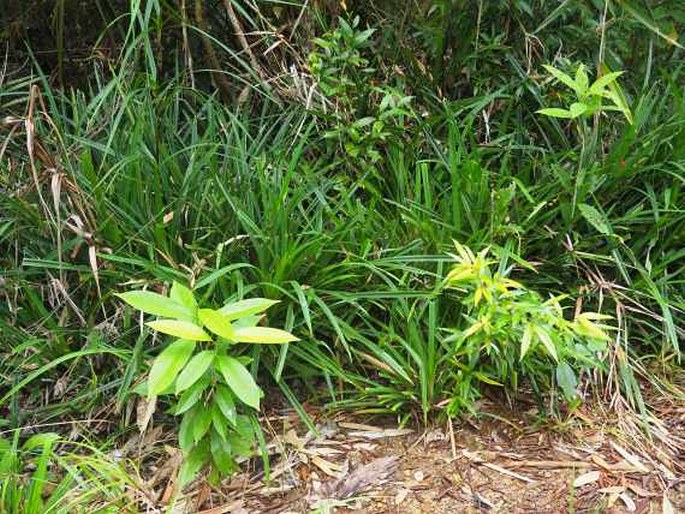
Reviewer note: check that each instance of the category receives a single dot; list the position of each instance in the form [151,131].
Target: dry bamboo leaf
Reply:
[614,489]
[628,501]
[507,472]
[666,506]
[381,434]
[631,458]
[330,468]
[586,478]
[373,473]
[144,412]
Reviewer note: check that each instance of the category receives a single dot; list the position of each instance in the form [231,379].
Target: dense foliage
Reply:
[327,156]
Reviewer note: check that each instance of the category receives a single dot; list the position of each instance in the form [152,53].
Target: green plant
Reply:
[589,97]
[46,474]
[510,331]
[363,115]
[209,385]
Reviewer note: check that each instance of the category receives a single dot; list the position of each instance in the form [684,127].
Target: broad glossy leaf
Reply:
[218,323]
[244,437]
[263,335]
[196,367]
[249,307]
[167,366]
[197,458]
[185,431]
[219,422]
[180,329]
[221,454]
[191,396]
[201,423]
[224,400]
[183,296]
[566,379]
[156,304]
[239,380]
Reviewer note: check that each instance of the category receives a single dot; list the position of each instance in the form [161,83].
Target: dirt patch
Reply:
[497,464]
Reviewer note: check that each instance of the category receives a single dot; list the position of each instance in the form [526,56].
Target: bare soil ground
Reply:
[501,463]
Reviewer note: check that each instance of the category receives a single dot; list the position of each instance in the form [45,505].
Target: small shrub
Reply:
[589,98]
[209,383]
[511,330]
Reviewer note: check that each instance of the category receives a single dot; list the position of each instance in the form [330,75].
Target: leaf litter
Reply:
[498,463]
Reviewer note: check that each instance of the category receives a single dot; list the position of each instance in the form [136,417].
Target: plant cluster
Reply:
[512,332]
[208,379]
[424,128]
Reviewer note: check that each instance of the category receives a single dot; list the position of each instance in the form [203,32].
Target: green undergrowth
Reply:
[340,195]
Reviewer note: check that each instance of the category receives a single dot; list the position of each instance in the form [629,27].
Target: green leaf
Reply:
[219,422]
[249,307]
[566,379]
[197,458]
[44,440]
[180,329]
[555,112]
[546,340]
[221,454]
[218,323]
[585,327]
[185,431]
[582,80]
[224,400]
[183,296]
[602,82]
[562,77]
[244,438]
[201,423]
[196,367]
[263,335]
[191,396]
[156,304]
[167,365]
[596,219]
[239,380]
[526,340]
[577,109]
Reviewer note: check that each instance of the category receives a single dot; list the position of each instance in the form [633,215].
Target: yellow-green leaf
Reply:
[249,307]
[180,329]
[546,341]
[193,371]
[218,323]
[526,341]
[182,295]
[167,365]
[156,304]
[263,335]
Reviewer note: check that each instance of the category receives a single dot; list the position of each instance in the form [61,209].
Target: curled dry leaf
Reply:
[144,411]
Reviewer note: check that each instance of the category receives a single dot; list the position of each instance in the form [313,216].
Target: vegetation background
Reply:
[326,155]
